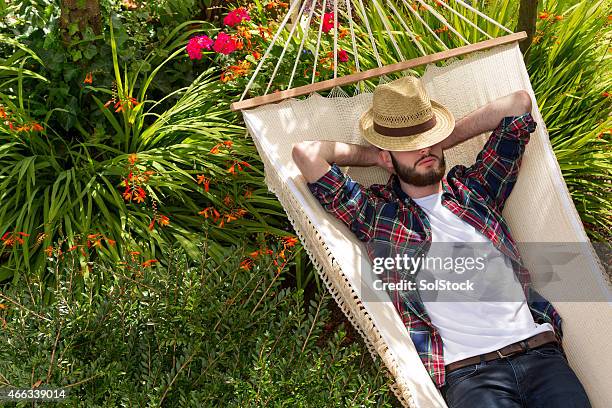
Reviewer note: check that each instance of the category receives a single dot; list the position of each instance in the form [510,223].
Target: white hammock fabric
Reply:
[539,210]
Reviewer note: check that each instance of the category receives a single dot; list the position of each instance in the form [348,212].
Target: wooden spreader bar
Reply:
[375,72]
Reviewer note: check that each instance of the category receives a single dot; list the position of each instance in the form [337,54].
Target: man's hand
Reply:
[313,158]
[487,117]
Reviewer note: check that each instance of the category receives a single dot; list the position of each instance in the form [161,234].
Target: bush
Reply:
[206,333]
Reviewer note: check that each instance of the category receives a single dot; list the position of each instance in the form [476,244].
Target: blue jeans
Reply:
[538,378]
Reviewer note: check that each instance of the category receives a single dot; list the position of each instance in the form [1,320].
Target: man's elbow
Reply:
[300,152]
[523,100]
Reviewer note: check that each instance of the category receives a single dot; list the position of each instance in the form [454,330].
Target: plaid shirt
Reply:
[384,216]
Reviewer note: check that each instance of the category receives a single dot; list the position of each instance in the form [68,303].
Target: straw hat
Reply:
[402,117]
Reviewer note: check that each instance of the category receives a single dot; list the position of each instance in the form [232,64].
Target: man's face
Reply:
[420,168]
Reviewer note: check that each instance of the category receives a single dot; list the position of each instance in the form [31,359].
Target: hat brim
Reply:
[445,123]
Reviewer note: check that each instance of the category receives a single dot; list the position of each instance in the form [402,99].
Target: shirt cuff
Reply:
[517,127]
[329,183]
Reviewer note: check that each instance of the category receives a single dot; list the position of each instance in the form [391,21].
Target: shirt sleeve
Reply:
[497,165]
[347,200]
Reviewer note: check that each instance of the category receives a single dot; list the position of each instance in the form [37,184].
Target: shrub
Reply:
[204,333]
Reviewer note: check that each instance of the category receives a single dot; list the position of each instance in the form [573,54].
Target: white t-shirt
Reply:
[470,327]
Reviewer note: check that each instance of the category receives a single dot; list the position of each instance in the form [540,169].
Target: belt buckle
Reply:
[523,345]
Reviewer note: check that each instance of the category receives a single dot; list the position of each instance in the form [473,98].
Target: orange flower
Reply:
[247,264]
[164,221]
[256,55]
[559,18]
[240,212]
[228,144]
[230,217]
[140,195]
[49,250]
[148,263]
[111,242]
[205,181]
[127,194]
[109,103]
[3,306]
[605,94]
[215,149]
[248,193]
[88,78]
[227,200]
[37,127]
[231,169]
[290,241]
[543,15]
[3,114]
[225,77]
[205,212]
[133,158]
[152,224]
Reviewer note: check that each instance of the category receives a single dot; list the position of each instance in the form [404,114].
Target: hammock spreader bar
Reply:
[376,72]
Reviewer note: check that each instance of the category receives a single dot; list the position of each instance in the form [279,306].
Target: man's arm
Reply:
[339,195]
[496,169]
[314,158]
[487,117]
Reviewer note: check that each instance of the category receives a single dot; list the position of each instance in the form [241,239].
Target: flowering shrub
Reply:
[188,333]
[248,32]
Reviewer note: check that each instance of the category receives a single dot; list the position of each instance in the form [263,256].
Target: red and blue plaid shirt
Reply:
[384,216]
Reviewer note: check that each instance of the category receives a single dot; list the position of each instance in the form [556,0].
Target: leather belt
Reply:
[507,351]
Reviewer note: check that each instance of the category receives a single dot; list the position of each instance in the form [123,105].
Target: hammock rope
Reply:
[280,59]
[405,26]
[443,21]
[358,5]
[299,53]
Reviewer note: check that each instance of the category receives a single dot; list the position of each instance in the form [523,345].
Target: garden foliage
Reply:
[195,334]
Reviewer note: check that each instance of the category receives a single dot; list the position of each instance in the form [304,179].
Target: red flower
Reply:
[225,44]
[328,22]
[197,44]
[343,56]
[543,15]
[236,16]
[88,78]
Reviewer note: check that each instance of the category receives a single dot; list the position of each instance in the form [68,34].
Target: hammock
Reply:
[341,260]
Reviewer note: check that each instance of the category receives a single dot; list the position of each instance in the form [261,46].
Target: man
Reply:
[488,353]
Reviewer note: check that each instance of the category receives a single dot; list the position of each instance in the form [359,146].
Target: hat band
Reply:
[405,131]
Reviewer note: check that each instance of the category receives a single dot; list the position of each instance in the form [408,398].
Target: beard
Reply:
[411,176]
